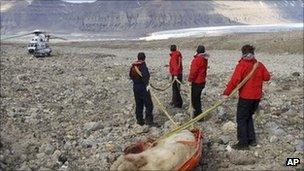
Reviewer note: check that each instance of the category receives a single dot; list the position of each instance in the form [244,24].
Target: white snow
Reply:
[222,30]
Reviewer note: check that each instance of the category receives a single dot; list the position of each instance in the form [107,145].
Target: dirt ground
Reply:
[75,109]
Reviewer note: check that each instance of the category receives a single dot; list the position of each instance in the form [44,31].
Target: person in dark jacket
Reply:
[197,78]
[176,71]
[249,96]
[140,76]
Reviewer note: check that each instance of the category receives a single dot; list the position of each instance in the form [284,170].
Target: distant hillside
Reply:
[138,18]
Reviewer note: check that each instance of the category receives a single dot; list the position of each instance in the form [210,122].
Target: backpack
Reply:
[134,74]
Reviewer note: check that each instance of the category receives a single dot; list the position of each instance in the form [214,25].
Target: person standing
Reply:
[249,95]
[140,76]
[176,71]
[197,78]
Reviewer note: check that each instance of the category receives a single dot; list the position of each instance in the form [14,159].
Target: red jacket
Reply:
[198,69]
[253,87]
[176,64]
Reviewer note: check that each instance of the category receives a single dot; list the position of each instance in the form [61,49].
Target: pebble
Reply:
[67,145]
[140,129]
[273,139]
[24,167]
[49,149]
[222,113]
[229,127]
[275,129]
[224,139]
[228,148]
[154,132]
[299,145]
[92,126]
[62,158]
[296,74]
[110,147]
[241,158]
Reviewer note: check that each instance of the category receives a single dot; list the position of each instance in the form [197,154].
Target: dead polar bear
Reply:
[166,155]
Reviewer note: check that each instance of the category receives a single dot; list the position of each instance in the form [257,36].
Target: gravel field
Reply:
[75,109]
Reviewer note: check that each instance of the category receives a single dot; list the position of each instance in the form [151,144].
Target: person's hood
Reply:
[248,60]
[204,55]
[248,56]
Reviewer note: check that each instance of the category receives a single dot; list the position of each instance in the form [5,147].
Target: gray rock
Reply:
[222,113]
[273,139]
[240,158]
[275,129]
[24,167]
[180,117]
[62,158]
[106,130]
[229,127]
[154,132]
[299,145]
[49,149]
[296,74]
[167,126]
[290,113]
[18,86]
[87,143]
[221,147]
[92,126]
[15,114]
[40,156]
[64,167]
[140,129]
[67,145]
[224,139]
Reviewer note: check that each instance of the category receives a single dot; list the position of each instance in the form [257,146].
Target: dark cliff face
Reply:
[132,17]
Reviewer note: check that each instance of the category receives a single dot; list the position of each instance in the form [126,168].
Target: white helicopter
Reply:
[38,45]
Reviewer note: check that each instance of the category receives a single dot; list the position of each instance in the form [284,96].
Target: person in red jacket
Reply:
[176,71]
[197,78]
[249,96]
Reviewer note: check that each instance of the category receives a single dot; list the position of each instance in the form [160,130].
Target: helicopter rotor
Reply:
[36,32]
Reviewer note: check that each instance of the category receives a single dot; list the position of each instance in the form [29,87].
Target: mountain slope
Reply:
[141,17]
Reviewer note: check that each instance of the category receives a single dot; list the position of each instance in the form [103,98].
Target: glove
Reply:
[148,87]
[175,77]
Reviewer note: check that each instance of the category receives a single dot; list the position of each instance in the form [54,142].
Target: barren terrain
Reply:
[75,109]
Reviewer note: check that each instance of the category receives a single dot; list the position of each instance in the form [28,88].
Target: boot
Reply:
[253,143]
[141,123]
[152,124]
[240,146]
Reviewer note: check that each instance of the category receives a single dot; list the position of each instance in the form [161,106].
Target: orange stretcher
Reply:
[187,165]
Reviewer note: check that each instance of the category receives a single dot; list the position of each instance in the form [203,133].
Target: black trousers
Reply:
[143,99]
[177,100]
[245,127]
[196,92]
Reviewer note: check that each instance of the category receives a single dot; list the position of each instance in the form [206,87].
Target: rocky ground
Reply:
[75,109]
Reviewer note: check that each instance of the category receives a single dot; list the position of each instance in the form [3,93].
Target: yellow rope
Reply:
[163,89]
[217,104]
[157,100]
[202,115]
[163,108]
